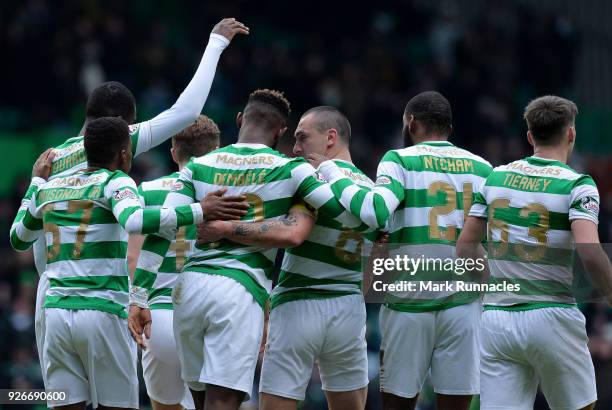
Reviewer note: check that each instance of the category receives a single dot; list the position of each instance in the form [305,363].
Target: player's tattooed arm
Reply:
[286,232]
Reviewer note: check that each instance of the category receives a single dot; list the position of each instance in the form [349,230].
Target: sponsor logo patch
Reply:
[590,204]
[134,128]
[121,194]
[320,177]
[177,186]
[383,180]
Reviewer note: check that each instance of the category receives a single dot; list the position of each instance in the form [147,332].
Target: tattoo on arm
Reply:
[250,228]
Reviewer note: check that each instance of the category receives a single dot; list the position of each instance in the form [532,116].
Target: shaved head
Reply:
[326,118]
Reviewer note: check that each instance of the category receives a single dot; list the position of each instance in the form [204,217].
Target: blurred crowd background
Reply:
[488,57]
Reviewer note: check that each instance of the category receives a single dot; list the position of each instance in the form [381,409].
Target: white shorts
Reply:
[218,327]
[39,319]
[445,342]
[161,367]
[520,349]
[330,331]
[90,354]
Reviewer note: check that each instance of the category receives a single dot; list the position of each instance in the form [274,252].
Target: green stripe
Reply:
[156,244]
[295,280]
[555,186]
[102,282]
[160,292]
[530,254]
[271,208]
[259,293]
[18,244]
[91,192]
[151,219]
[154,197]
[440,165]
[65,218]
[90,250]
[86,303]
[430,305]
[420,198]
[31,222]
[396,187]
[307,294]
[161,306]
[254,260]
[327,254]
[543,162]
[143,278]
[184,215]
[556,220]
[168,265]
[241,177]
[309,184]
[529,306]
[418,235]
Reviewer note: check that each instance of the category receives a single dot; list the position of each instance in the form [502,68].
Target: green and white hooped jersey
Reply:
[421,197]
[328,263]
[69,159]
[70,156]
[529,205]
[271,183]
[84,218]
[153,194]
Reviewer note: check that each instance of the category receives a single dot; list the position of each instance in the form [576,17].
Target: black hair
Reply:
[268,109]
[433,111]
[111,99]
[104,139]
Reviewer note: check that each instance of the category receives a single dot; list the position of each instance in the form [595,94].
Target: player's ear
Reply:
[332,137]
[411,124]
[571,135]
[530,138]
[239,119]
[174,157]
[281,132]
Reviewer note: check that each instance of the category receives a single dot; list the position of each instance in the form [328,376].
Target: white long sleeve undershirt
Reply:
[189,104]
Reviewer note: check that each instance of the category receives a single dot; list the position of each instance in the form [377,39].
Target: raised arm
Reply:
[373,206]
[189,105]
[289,231]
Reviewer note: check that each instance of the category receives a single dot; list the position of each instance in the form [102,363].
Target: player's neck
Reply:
[254,135]
[428,138]
[97,167]
[342,154]
[554,153]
